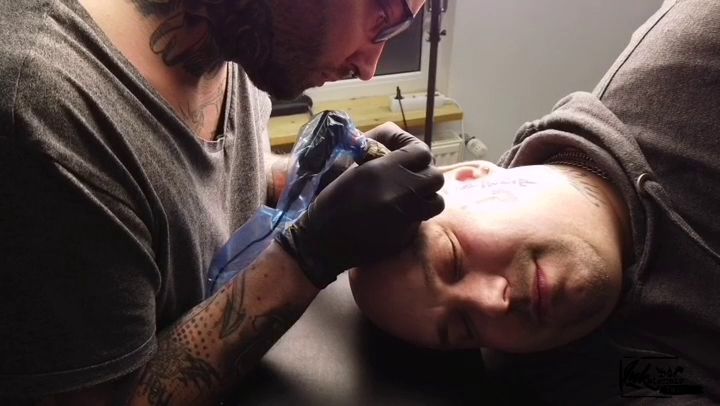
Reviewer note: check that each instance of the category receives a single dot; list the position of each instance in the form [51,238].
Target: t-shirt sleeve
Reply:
[78,279]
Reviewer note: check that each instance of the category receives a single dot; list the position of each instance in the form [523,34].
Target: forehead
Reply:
[468,186]
[398,294]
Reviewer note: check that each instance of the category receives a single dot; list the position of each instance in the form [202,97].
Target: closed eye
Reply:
[456,262]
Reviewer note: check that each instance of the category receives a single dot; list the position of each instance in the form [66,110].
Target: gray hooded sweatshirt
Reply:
[653,126]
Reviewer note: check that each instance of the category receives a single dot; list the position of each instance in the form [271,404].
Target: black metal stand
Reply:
[435,34]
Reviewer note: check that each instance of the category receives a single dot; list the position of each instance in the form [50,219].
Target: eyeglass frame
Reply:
[396,29]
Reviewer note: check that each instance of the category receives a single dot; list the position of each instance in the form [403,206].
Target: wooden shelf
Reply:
[366,113]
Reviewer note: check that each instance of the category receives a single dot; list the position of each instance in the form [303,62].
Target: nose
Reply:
[484,293]
[365,60]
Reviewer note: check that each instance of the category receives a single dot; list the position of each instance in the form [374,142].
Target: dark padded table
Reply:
[333,356]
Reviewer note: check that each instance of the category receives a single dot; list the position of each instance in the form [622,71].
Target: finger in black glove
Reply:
[368,213]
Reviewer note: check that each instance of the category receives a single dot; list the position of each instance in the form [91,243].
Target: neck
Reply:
[173,52]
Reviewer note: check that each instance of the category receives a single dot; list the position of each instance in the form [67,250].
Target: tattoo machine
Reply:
[327,146]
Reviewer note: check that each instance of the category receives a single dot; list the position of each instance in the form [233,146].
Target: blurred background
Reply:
[504,62]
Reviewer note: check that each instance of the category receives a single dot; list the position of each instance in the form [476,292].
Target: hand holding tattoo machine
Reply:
[329,225]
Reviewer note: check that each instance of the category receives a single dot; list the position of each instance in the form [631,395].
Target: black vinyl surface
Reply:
[333,356]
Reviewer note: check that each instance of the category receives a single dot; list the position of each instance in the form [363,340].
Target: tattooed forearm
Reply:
[264,329]
[175,365]
[268,329]
[201,357]
[180,361]
[234,314]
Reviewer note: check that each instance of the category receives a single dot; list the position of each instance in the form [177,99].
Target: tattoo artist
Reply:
[133,141]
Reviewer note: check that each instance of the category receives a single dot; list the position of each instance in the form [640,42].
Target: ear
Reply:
[463,172]
[470,170]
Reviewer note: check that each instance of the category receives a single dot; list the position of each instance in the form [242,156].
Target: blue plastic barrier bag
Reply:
[327,145]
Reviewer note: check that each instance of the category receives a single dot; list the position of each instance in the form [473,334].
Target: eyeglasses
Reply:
[395,30]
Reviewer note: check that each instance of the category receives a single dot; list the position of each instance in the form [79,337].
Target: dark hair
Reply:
[156,7]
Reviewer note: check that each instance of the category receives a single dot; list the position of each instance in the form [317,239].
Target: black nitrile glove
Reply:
[368,213]
[392,136]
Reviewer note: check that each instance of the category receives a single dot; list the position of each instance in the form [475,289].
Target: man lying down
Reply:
[522,259]
[586,264]
[572,245]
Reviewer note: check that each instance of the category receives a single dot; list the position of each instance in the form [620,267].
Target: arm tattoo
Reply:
[234,314]
[217,342]
[267,330]
[174,364]
[178,361]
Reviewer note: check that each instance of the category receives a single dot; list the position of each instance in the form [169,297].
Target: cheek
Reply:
[395,299]
[554,212]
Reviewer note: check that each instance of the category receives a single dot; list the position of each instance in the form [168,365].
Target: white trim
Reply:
[378,86]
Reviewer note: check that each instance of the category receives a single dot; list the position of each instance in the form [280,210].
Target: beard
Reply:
[283,76]
[278,43]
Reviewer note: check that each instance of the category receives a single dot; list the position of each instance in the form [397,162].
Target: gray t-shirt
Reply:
[110,207]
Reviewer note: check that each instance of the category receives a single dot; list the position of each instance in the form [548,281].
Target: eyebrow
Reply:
[457,263]
[419,250]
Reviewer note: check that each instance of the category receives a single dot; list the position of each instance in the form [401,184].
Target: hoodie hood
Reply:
[652,126]
[581,122]
[668,253]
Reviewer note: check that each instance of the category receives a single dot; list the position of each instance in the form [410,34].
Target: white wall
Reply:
[511,60]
